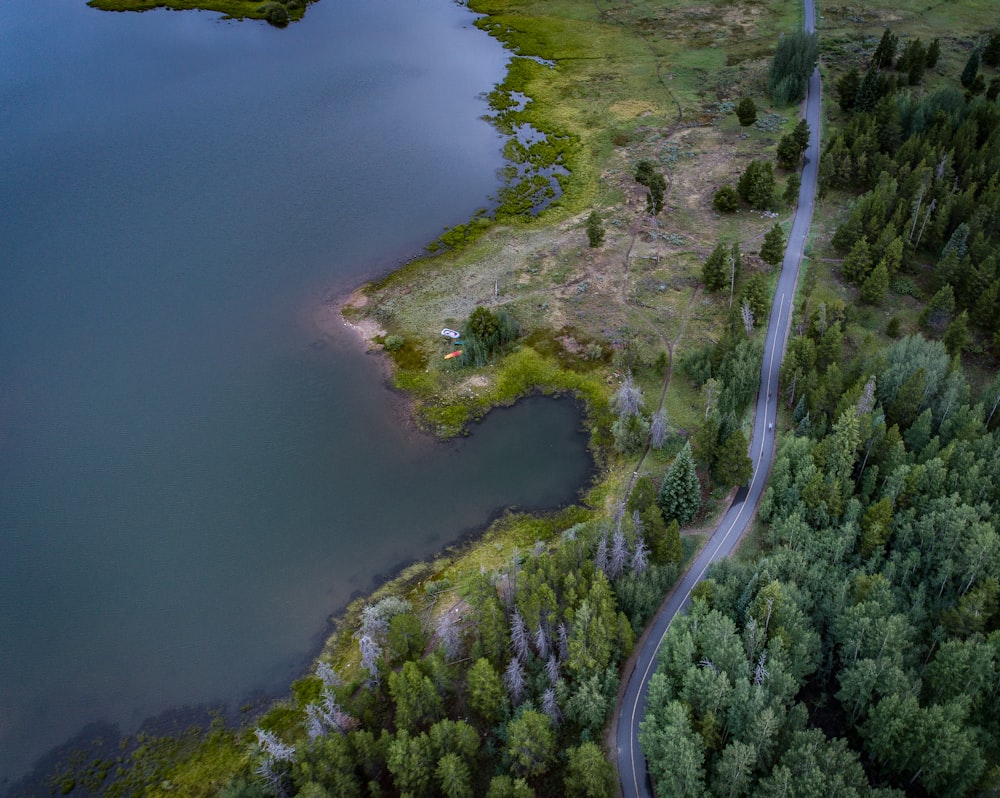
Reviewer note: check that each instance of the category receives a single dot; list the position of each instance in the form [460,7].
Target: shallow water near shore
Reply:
[189,486]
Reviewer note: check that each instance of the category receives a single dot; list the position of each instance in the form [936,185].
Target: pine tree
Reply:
[732,464]
[788,154]
[714,272]
[746,111]
[938,311]
[791,195]
[793,145]
[869,92]
[595,229]
[588,772]
[847,89]
[956,336]
[971,70]
[773,249]
[876,285]
[726,200]
[903,409]
[885,53]
[454,777]
[647,175]
[755,295]
[531,743]
[893,255]
[858,263]
[417,699]
[913,61]
[680,493]
[756,184]
[793,62]
[991,52]
[485,690]
[933,54]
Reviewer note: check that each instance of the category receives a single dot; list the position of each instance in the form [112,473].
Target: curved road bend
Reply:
[631,762]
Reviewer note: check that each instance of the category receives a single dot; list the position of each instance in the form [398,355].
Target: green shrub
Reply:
[595,229]
[746,111]
[275,13]
[487,333]
[726,200]
[393,343]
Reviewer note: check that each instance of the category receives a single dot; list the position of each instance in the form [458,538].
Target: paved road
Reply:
[631,762]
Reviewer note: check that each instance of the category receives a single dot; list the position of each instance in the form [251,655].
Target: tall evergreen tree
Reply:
[876,285]
[791,67]
[937,313]
[732,463]
[991,52]
[647,175]
[787,154]
[595,229]
[971,70]
[674,750]
[933,54]
[756,185]
[715,271]
[858,263]
[913,61]
[680,493]
[454,777]
[791,193]
[588,772]
[885,53]
[531,743]
[773,249]
[956,335]
[869,91]
[800,135]
[847,89]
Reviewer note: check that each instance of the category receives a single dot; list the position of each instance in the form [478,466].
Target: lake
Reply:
[192,478]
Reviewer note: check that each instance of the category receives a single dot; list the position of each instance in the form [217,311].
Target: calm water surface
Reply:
[187,487]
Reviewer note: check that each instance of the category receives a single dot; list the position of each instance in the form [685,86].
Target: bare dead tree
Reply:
[513,679]
[746,314]
[658,429]
[519,637]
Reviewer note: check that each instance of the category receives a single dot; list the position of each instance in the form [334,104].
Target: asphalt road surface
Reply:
[631,762]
